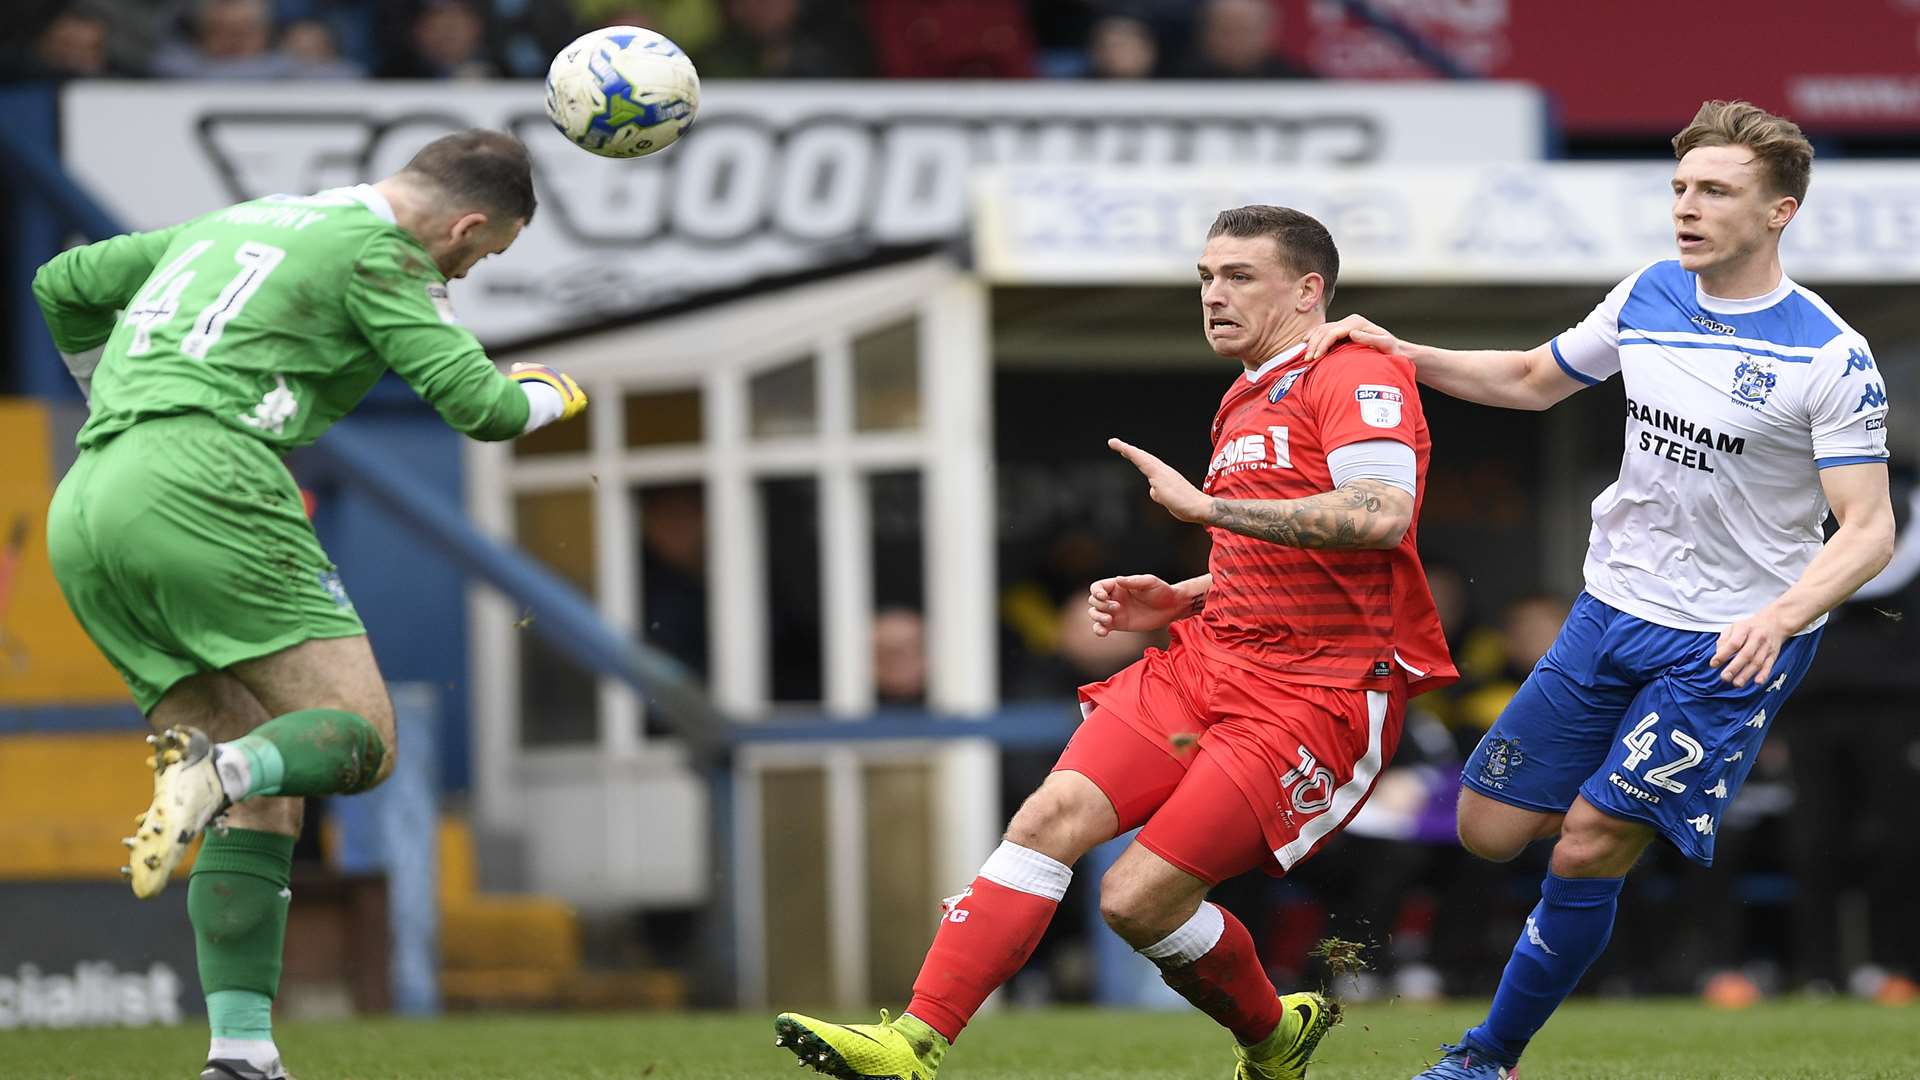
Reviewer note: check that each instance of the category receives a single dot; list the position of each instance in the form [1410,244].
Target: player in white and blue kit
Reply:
[1752,411]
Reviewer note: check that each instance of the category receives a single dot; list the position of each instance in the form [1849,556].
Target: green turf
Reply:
[1808,1040]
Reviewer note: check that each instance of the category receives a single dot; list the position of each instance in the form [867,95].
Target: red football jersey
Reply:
[1329,618]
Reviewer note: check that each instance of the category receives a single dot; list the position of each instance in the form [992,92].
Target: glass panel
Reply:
[783,400]
[568,438]
[793,824]
[792,512]
[671,524]
[899,589]
[900,887]
[559,699]
[663,418]
[886,378]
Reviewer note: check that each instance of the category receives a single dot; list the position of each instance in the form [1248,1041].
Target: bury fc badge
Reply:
[1503,759]
[1753,381]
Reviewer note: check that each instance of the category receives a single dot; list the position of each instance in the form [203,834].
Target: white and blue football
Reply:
[622,92]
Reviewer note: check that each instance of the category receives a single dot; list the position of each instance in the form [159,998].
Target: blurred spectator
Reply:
[1078,657]
[1528,627]
[692,24]
[449,41]
[774,39]
[673,572]
[1122,47]
[952,39]
[1234,40]
[312,53]
[899,657]
[528,33]
[71,44]
[229,39]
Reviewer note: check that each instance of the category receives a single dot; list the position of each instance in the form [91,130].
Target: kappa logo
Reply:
[1379,405]
[1702,824]
[1759,719]
[1872,397]
[1753,381]
[1777,683]
[1718,790]
[1858,360]
[1534,938]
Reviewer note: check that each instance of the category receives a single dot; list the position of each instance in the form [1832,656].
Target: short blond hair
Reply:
[1785,155]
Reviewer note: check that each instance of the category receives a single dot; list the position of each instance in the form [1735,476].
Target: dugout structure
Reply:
[805,415]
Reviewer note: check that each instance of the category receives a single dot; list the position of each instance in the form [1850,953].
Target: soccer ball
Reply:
[622,91]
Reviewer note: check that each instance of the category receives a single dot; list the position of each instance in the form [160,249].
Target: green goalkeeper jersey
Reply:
[274,316]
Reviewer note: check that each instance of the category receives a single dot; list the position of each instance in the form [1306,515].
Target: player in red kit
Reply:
[1259,732]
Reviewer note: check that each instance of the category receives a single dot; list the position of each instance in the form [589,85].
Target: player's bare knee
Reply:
[1058,820]
[1128,907]
[1492,845]
[379,714]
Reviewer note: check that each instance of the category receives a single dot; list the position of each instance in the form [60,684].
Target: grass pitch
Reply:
[1797,1039]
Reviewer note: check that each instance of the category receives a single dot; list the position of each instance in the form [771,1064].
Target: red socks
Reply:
[989,931]
[1211,962]
[987,934]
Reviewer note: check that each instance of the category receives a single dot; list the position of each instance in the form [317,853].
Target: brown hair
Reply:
[482,170]
[1305,245]
[1784,154]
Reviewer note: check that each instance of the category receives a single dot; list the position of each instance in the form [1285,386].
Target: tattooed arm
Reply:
[1363,514]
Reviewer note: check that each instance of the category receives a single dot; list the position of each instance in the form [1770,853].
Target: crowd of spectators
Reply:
[439,39]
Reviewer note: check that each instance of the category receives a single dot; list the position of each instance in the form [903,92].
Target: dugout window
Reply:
[886,378]
[784,401]
[559,700]
[790,506]
[670,526]
[552,440]
[661,418]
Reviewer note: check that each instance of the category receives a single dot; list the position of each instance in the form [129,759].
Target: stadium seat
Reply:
[70,798]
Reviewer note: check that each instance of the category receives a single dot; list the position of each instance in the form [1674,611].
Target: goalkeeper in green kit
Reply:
[207,351]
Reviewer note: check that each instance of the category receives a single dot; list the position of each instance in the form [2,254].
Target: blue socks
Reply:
[1564,936]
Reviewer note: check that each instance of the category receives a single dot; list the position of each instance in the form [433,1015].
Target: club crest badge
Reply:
[1502,761]
[1753,381]
[1284,384]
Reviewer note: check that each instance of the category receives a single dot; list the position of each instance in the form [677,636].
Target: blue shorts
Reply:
[1629,715]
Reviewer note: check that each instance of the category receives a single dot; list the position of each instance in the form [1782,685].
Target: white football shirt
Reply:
[1733,407]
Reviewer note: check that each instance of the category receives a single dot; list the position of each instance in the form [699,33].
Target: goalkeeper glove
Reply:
[551,395]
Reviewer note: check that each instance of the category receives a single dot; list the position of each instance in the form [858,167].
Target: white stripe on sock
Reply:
[1195,938]
[1026,870]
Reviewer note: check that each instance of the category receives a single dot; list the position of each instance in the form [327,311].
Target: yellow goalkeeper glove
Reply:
[573,400]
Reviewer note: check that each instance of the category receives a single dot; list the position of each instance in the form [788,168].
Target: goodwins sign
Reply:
[774,178]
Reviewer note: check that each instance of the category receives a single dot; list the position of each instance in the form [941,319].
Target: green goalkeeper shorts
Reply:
[183,546]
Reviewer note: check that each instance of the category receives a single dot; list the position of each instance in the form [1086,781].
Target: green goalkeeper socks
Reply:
[310,752]
[237,901]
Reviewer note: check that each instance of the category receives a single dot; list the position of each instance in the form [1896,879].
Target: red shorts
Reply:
[1229,769]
